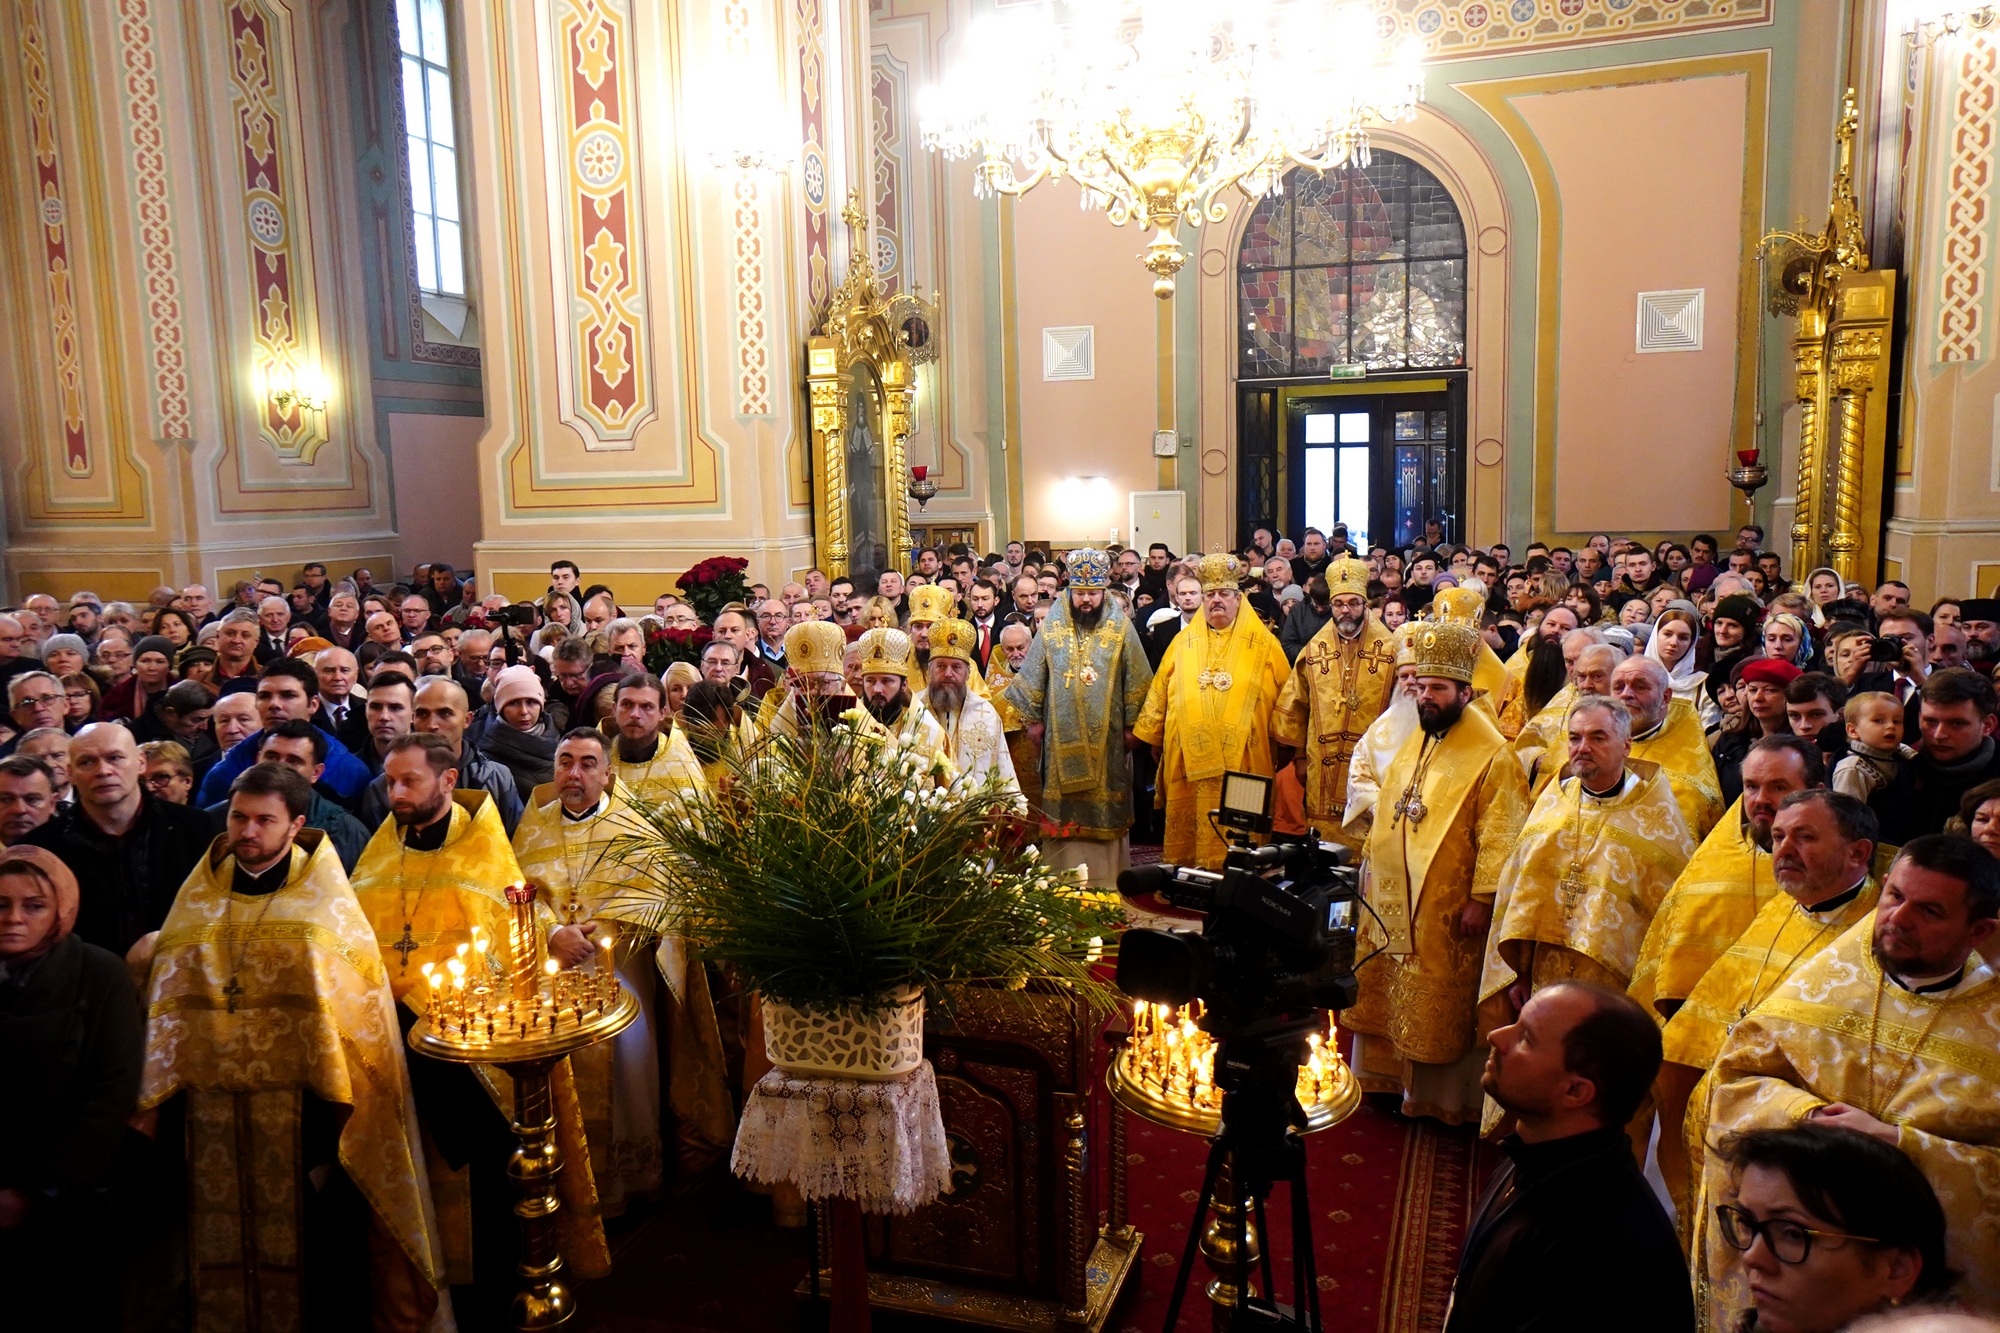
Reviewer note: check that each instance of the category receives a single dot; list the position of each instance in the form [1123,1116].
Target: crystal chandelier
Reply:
[1156,107]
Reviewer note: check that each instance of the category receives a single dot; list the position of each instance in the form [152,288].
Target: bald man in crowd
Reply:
[440,707]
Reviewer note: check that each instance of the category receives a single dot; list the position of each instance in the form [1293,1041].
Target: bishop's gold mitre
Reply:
[1406,642]
[1464,605]
[1347,575]
[930,603]
[887,652]
[1448,648]
[1219,570]
[816,645]
[951,637]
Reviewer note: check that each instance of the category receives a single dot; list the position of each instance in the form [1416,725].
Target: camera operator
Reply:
[1569,1231]
[1899,662]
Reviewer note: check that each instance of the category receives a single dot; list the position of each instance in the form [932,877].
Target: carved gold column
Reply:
[1810,358]
[829,461]
[898,389]
[1855,352]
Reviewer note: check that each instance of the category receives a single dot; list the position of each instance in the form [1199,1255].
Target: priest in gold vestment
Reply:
[268,1008]
[1667,731]
[1451,805]
[1728,879]
[888,670]
[1378,745]
[650,755]
[1079,691]
[1821,846]
[815,658]
[1542,743]
[1890,1033]
[1598,853]
[438,867]
[1340,683]
[974,740]
[566,848]
[1209,712]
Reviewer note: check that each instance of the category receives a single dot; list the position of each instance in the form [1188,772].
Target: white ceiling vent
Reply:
[1670,321]
[1069,353]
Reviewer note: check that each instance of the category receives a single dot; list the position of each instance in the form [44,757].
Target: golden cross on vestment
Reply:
[232,992]
[1571,891]
[406,946]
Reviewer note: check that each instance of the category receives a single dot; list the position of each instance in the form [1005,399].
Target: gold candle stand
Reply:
[533,1017]
[1164,1072]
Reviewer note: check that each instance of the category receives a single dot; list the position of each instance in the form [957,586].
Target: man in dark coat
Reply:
[1569,1235]
[1956,752]
[128,850]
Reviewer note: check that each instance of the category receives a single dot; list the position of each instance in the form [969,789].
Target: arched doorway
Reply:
[1351,309]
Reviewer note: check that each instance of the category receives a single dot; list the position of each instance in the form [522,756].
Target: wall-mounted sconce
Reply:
[289,388]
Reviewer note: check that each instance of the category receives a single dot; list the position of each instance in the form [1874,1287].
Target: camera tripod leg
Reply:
[1216,1153]
[1305,1260]
[1264,1230]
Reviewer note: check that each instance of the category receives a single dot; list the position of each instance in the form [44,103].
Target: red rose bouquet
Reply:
[664,647]
[714,584]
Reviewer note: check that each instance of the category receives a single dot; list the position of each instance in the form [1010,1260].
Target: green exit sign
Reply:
[1347,372]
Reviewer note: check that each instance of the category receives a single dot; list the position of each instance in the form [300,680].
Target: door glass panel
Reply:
[1409,425]
[1409,493]
[1322,486]
[1322,428]
[1354,428]
[1353,504]
[1440,425]
[1440,497]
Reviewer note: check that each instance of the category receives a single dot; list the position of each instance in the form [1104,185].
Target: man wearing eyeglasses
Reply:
[34,700]
[1889,1033]
[1569,1235]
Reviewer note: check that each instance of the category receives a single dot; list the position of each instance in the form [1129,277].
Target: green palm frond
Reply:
[827,868]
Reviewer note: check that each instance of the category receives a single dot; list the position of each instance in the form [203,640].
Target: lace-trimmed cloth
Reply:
[880,1144]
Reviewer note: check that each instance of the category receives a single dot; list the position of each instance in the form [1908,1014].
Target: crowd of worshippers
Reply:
[1678,882]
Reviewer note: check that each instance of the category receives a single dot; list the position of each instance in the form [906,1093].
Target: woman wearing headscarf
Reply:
[1672,645]
[1822,587]
[1786,639]
[71,1041]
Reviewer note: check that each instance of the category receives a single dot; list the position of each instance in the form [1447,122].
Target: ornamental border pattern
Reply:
[155,217]
[270,228]
[607,352]
[812,154]
[887,98]
[53,212]
[1963,258]
[753,356]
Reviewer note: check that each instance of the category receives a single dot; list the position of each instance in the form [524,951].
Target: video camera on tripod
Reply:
[1277,946]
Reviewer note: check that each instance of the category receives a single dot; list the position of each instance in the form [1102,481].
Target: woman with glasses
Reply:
[1826,1225]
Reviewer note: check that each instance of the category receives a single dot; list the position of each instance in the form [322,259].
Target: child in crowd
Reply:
[1875,749]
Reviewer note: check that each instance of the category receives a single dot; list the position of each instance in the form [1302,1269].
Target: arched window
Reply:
[1360,266]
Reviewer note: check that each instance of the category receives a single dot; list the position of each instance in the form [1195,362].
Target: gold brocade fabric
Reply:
[1586,877]
[1422,873]
[672,771]
[273,995]
[974,740]
[1838,1031]
[1782,938]
[579,877]
[1710,905]
[1679,746]
[1027,756]
[1337,688]
[1513,707]
[1544,731]
[429,902]
[1209,711]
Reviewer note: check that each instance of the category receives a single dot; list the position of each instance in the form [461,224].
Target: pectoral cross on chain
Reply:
[1571,891]
[406,946]
[232,993]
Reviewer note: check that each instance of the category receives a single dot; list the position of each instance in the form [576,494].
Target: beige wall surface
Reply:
[1074,267]
[1651,182]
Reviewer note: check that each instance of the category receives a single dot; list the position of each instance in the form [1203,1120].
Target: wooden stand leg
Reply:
[850,1268]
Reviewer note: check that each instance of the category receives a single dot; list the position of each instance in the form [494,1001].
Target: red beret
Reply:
[1768,670]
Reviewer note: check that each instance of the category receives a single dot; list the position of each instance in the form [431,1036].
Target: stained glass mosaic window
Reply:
[1365,265]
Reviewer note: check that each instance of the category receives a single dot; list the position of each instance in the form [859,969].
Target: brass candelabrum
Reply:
[1165,1072]
[524,1013]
